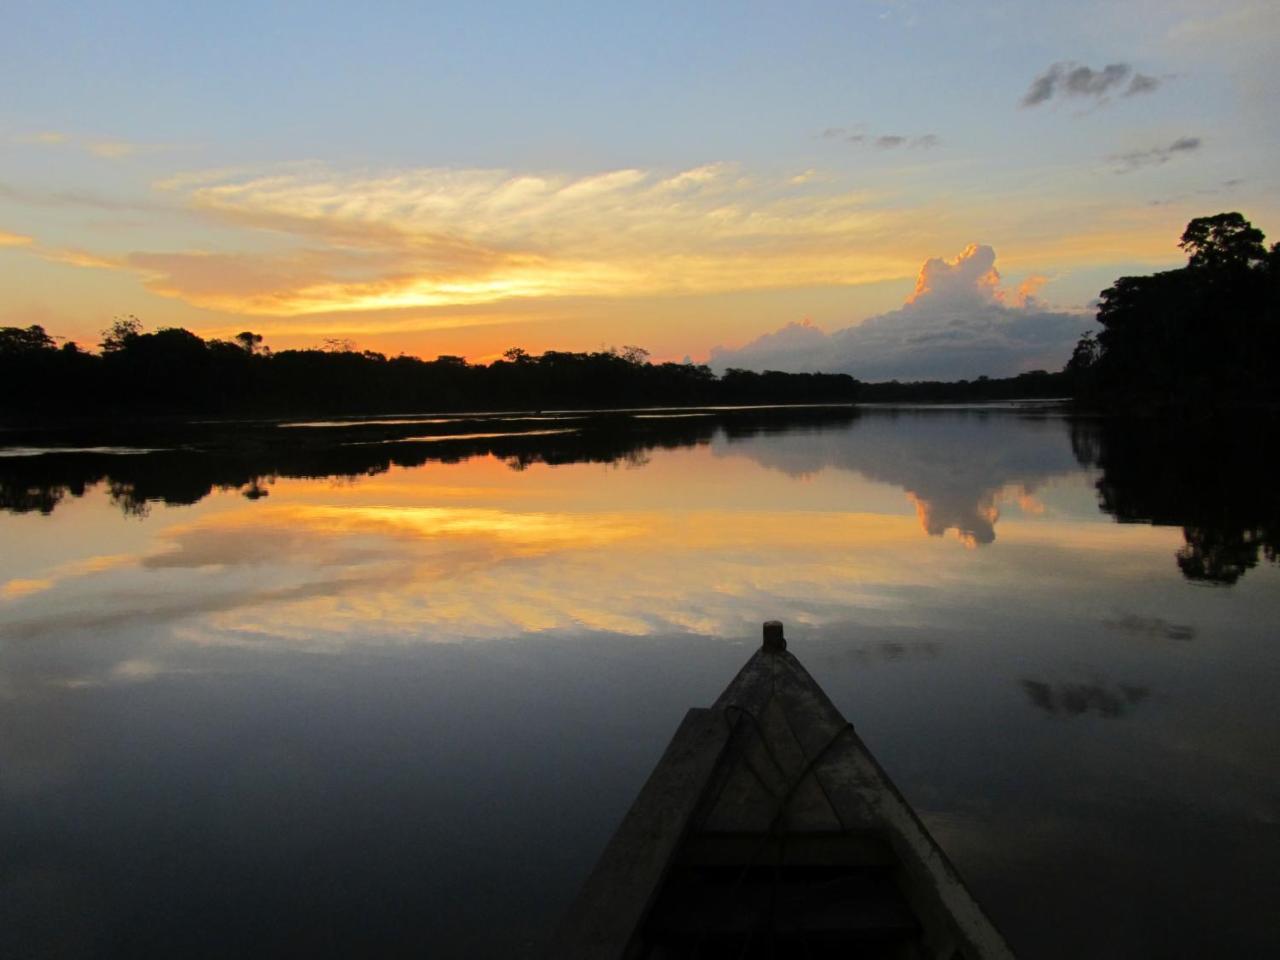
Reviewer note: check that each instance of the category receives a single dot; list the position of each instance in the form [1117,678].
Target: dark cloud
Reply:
[893,141]
[1224,187]
[1084,82]
[888,141]
[1134,159]
[1141,83]
[1067,79]
[1042,88]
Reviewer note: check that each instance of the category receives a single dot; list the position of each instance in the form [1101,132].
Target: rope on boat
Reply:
[774,824]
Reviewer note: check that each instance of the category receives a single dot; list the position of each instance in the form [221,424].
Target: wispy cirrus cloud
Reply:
[886,141]
[1067,79]
[1154,156]
[80,258]
[81,198]
[1218,189]
[14,239]
[117,149]
[434,237]
[45,137]
[107,148]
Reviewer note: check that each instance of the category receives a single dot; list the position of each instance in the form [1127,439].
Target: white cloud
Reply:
[958,323]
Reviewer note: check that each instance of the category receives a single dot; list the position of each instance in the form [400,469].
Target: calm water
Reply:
[364,690]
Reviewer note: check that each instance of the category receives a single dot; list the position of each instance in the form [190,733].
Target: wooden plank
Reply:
[629,874]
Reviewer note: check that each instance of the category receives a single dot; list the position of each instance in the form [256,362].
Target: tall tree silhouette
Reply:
[1200,337]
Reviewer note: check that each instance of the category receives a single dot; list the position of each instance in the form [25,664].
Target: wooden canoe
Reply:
[767,829]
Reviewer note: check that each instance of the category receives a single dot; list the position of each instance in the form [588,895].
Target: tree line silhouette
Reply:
[1200,338]
[174,371]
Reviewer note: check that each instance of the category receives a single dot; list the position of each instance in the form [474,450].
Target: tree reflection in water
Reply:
[202,458]
[1216,480]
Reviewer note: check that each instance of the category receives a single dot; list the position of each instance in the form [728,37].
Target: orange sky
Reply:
[676,191]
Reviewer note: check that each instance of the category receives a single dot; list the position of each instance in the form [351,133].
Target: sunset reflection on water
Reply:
[267,665]
[698,539]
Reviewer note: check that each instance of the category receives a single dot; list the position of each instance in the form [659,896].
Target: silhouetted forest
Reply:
[1203,337]
[1033,385]
[173,372]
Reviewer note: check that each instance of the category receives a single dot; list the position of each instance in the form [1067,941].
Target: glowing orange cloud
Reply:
[1028,289]
[973,270]
[456,238]
[79,258]
[22,587]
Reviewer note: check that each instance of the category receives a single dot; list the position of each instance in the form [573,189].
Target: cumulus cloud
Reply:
[958,322]
[1067,79]
[1135,159]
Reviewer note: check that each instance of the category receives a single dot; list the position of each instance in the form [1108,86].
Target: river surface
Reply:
[385,688]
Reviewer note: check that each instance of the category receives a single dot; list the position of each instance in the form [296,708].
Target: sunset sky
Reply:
[465,178]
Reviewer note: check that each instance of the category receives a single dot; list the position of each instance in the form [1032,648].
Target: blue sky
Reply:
[148,151]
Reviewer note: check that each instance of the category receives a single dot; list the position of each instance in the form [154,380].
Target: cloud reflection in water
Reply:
[258,676]
[380,563]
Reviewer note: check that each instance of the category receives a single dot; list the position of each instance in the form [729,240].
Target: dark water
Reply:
[369,690]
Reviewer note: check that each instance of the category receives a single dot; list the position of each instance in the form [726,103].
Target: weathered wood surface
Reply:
[774,782]
[629,874]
